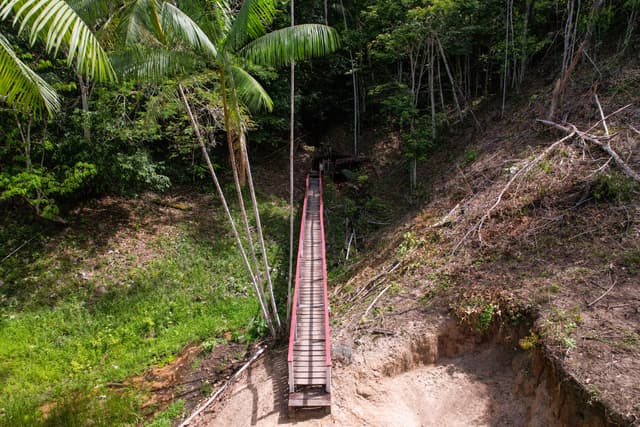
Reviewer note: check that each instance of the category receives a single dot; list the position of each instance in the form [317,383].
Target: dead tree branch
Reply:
[521,172]
[602,142]
[592,303]
[375,300]
[209,401]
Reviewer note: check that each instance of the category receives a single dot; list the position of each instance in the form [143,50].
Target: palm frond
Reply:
[299,42]
[249,90]
[154,64]
[213,20]
[178,23]
[142,23]
[147,20]
[56,23]
[250,22]
[93,11]
[21,88]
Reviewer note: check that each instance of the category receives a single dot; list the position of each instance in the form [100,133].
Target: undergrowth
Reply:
[59,355]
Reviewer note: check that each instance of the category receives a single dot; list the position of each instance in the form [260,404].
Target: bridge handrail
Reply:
[327,335]
[294,303]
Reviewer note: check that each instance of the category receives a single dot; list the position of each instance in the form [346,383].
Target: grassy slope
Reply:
[128,285]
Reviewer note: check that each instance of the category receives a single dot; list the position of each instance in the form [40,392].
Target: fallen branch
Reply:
[592,303]
[209,401]
[384,272]
[526,168]
[386,332]
[598,141]
[603,118]
[448,218]
[375,300]
[16,250]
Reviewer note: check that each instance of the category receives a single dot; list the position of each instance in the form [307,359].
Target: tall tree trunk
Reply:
[292,112]
[354,82]
[631,25]
[432,95]
[203,148]
[256,212]
[234,168]
[509,10]
[254,201]
[524,45]
[326,12]
[453,83]
[85,88]
[558,88]
[442,104]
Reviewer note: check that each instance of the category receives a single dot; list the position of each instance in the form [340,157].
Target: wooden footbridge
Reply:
[309,340]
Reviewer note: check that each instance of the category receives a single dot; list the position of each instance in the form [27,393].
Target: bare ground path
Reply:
[470,390]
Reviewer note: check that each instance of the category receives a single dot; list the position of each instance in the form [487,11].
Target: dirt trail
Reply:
[471,390]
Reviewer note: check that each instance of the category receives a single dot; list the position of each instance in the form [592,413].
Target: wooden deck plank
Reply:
[309,348]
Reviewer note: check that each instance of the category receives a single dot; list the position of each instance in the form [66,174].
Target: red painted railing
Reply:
[294,303]
[327,336]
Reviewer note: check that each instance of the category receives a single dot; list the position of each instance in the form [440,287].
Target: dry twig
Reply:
[221,389]
[16,250]
[592,303]
[375,300]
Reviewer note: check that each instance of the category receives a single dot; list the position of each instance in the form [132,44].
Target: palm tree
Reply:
[167,41]
[57,25]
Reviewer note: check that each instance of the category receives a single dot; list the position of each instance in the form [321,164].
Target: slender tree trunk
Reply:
[432,95]
[453,83]
[442,104]
[558,88]
[354,82]
[292,112]
[631,24]
[203,148]
[524,45]
[84,100]
[326,12]
[25,135]
[234,168]
[505,74]
[254,202]
[256,212]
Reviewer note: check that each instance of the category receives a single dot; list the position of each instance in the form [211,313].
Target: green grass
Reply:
[63,350]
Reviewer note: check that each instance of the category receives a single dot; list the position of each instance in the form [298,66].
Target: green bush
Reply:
[613,187]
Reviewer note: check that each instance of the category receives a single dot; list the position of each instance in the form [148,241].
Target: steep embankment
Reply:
[511,283]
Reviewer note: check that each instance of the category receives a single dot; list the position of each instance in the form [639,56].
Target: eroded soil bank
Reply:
[447,376]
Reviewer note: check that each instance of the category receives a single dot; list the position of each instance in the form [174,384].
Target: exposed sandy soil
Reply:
[470,390]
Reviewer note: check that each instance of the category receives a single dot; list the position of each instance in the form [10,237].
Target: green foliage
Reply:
[409,243]
[56,24]
[418,141]
[137,171]
[613,187]
[60,337]
[470,156]
[560,325]
[631,260]
[165,418]
[38,187]
[594,394]
[486,317]
[529,342]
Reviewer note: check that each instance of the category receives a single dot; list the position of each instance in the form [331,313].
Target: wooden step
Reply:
[311,381]
[310,398]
